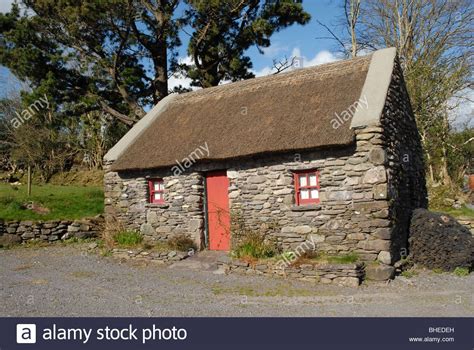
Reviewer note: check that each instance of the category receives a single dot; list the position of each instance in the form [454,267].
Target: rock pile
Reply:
[439,241]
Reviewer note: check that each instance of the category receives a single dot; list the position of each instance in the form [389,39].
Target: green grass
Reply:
[253,245]
[343,259]
[461,271]
[464,211]
[438,203]
[128,238]
[409,273]
[63,202]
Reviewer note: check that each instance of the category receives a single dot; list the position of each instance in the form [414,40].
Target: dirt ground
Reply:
[71,281]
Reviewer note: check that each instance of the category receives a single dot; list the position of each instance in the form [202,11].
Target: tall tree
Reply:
[434,42]
[433,39]
[116,51]
[224,29]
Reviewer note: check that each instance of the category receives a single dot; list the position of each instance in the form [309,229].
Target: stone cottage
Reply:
[329,154]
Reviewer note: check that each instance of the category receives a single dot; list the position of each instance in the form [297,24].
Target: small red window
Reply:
[156,190]
[307,187]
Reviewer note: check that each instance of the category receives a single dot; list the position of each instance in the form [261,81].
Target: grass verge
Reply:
[59,202]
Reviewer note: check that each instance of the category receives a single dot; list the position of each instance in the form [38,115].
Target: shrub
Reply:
[461,271]
[128,238]
[182,243]
[252,244]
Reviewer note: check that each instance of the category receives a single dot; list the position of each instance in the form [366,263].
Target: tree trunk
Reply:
[160,81]
[444,174]
[29,180]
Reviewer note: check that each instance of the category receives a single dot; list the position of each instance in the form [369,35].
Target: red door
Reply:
[217,185]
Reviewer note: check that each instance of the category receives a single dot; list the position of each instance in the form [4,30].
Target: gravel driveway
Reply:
[69,281]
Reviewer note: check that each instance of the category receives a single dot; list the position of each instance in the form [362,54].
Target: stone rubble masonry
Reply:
[164,257]
[341,274]
[368,191]
[405,169]
[53,230]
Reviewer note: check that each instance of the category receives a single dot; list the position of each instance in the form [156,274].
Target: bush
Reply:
[182,243]
[128,238]
[461,271]
[252,244]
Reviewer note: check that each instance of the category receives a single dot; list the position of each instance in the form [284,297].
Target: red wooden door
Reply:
[217,185]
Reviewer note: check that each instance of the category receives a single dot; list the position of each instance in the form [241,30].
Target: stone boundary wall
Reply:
[144,255]
[53,230]
[341,274]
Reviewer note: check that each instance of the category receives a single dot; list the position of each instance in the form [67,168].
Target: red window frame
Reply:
[152,191]
[306,173]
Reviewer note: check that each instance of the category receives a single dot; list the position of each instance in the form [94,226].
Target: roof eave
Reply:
[134,133]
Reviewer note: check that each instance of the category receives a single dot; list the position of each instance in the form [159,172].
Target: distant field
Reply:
[56,202]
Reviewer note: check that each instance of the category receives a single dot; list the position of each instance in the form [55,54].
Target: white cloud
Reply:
[462,115]
[274,49]
[178,79]
[320,58]
[5,5]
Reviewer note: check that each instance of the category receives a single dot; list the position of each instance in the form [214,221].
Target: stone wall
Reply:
[405,168]
[53,230]
[352,215]
[341,274]
[126,199]
[163,257]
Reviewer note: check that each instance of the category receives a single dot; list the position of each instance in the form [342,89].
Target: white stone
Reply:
[232,174]
[385,257]
[375,175]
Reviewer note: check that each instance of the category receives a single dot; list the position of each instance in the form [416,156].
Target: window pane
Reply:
[314,194]
[157,196]
[161,186]
[304,194]
[156,186]
[303,181]
[312,180]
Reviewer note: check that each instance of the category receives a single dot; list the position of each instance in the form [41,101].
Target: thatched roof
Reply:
[278,113]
